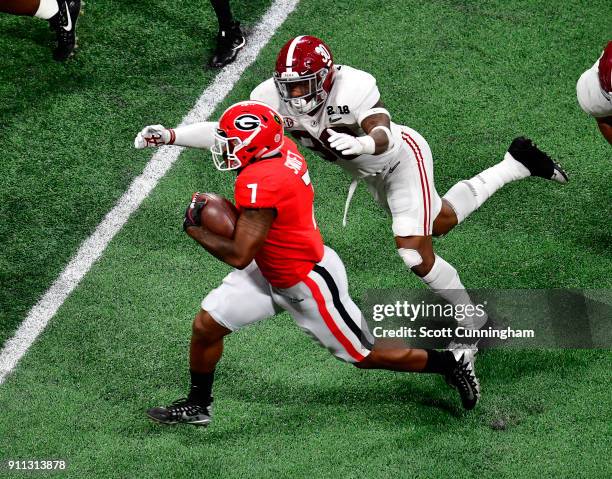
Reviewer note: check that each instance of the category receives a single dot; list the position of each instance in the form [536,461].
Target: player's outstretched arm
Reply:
[605,126]
[196,135]
[251,232]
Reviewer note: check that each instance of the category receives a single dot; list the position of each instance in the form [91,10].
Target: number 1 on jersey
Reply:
[253,188]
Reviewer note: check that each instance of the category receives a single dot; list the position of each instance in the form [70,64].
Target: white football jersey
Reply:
[590,95]
[353,93]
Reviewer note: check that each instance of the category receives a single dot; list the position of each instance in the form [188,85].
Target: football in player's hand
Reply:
[219,215]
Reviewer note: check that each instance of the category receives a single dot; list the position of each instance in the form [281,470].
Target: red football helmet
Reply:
[304,73]
[605,69]
[247,131]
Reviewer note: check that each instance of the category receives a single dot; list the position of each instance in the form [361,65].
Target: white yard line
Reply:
[93,247]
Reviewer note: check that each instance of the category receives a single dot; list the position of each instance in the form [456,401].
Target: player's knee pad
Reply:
[411,257]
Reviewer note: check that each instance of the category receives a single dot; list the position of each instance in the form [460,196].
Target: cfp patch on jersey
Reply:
[247,122]
[289,122]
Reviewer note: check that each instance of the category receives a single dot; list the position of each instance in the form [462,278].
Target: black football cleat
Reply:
[64,23]
[463,378]
[183,411]
[536,161]
[229,41]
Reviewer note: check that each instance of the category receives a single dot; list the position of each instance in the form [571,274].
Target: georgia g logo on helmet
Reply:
[247,122]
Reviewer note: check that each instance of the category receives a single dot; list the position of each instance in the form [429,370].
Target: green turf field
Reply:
[469,76]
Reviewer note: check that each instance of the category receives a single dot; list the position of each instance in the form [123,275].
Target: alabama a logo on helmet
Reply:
[247,122]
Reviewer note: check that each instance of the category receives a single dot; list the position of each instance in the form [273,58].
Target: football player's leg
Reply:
[205,352]
[523,159]
[457,366]
[230,38]
[242,299]
[321,306]
[441,277]
[414,203]
[39,8]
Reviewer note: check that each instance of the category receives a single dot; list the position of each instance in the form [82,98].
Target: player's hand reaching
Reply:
[154,136]
[194,210]
[351,145]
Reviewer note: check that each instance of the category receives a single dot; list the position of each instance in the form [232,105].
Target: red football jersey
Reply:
[294,243]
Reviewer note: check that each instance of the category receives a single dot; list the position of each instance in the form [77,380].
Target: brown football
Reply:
[219,215]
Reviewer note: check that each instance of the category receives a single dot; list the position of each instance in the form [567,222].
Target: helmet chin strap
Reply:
[247,141]
[272,152]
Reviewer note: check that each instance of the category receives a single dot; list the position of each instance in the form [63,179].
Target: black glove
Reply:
[192,214]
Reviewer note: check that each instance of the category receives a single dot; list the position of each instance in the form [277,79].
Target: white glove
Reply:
[152,135]
[351,145]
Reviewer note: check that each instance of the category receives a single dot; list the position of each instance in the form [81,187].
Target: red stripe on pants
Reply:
[329,321]
[423,177]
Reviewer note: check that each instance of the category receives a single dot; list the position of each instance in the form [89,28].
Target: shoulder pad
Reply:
[355,88]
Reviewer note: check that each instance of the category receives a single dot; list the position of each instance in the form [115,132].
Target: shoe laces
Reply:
[463,376]
[65,36]
[185,405]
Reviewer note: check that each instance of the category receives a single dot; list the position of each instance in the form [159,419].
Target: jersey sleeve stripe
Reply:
[329,321]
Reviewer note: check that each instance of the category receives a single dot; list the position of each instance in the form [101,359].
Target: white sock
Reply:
[444,280]
[468,195]
[47,9]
